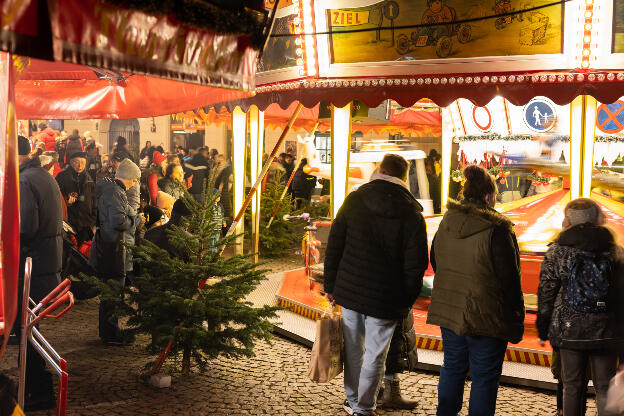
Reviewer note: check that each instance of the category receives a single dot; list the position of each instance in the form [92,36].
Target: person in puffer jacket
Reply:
[594,337]
[47,136]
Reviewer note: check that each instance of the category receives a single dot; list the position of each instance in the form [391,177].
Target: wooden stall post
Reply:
[238,170]
[340,149]
[256,138]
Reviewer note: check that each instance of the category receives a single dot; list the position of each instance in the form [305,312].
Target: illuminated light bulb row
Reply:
[437,81]
[588,16]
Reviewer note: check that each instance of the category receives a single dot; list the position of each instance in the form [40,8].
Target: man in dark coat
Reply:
[78,190]
[198,167]
[303,184]
[222,183]
[374,280]
[108,256]
[41,222]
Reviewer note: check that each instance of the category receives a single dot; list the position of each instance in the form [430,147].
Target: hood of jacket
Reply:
[107,187]
[587,237]
[198,160]
[464,219]
[30,163]
[387,199]
[49,133]
[73,137]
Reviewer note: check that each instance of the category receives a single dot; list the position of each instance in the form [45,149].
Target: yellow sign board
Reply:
[348,18]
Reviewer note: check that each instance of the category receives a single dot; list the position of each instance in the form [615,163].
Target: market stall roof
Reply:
[194,41]
[518,88]
[59,90]
[418,122]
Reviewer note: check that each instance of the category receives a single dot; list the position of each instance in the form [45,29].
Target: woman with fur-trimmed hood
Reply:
[477,297]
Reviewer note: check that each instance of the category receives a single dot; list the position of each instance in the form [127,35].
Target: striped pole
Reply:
[292,175]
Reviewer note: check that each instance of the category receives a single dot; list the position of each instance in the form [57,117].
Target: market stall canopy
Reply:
[58,90]
[210,43]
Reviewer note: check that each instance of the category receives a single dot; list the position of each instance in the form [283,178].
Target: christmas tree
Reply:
[168,306]
[281,234]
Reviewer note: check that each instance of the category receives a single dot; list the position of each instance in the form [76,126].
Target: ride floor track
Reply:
[526,364]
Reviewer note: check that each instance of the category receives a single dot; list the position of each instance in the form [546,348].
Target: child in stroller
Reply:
[75,262]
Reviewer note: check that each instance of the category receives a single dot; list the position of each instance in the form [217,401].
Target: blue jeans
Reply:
[484,357]
[366,344]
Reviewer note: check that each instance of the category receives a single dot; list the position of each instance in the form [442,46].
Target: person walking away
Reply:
[222,183]
[374,280]
[146,154]
[121,146]
[78,189]
[303,184]
[476,300]
[288,162]
[580,308]
[94,161]
[73,144]
[41,228]
[47,137]
[107,253]
[173,182]
[198,168]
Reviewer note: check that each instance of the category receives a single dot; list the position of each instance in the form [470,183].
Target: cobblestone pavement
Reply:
[103,380]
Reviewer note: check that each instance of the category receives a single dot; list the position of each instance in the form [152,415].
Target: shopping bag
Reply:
[327,352]
[615,395]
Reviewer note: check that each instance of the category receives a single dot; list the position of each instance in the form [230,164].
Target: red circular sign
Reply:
[481,126]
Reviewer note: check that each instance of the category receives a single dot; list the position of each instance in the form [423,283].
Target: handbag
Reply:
[615,395]
[327,358]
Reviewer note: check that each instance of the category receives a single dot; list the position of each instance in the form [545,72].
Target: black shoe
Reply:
[44,401]
[115,342]
[13,340]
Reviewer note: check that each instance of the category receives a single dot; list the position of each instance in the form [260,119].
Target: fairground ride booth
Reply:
[531,93]
[84,59]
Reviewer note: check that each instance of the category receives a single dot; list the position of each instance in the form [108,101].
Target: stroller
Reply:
[75,262]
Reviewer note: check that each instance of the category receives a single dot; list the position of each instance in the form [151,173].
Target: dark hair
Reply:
[170,168]
[479,183]
[42,126]
[214,152]
[394,165]
[180,209]
[121,141]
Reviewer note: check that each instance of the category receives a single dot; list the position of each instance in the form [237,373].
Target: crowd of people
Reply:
[477,299]
[104,201]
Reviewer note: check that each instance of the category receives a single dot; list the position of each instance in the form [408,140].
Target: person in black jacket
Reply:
[198,167]
[78,189]
[41,227]
[107,253]
[73,144]
[160,235]
[374,280]
[583,335]
[303,184]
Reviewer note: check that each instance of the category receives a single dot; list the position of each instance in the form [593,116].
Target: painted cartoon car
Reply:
[438,35]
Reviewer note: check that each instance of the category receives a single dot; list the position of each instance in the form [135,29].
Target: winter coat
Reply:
[403,352]
[199,168]
[223,181]
[376,255]
[171,187]
[159,236]
[81,214]
[49,139]
[556,320]
[73,144]
[41,224]
[303,184]
[477,289]
[114,218]
[134,202]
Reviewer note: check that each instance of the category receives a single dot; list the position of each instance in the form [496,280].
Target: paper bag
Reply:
[327,352]
[615,395]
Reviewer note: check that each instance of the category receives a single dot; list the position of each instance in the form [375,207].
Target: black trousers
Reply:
[110,266]
[574,368]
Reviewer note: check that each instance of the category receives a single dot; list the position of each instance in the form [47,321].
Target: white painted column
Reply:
[447,153]
[238,170]
[340,149]
[256,137]
[582,136]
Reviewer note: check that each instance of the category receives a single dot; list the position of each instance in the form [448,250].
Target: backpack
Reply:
[588,282]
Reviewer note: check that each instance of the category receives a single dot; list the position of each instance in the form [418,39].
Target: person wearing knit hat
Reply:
[155,173]
[115,218]
[24,146]
[579,303]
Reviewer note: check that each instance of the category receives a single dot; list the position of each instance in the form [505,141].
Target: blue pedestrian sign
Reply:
[540,115]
